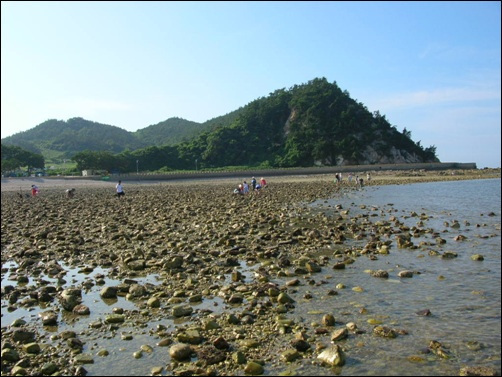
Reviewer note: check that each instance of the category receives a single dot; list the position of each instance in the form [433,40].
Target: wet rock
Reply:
[83,358]
[477,257]
[290,355]
[23,336]
[424,312]
[182,310]
[49,318]
[10,355]
[333,356]
[379,274]
[70,298]
[109,292]
[114,318]
[300,345]
[339,334]
[31,348]
[405,274]
[81,310]
[180,352]
[384,332]
[254,368]
[328,320]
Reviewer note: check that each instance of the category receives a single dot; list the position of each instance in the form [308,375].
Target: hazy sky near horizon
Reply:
[433,68]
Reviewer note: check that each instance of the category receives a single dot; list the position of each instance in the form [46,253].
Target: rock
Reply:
[49,368]
[290,355]
[300,345]
[238,357]
[477,257]
[284,298]
[182,310]
[405,274]
[180,352]
[380,274]
[333,356]
[70,298]
[449,255]
[424,312]
[328,320]
[190,336]
[339,334]
[384,332]
[115,318]
[109,292]
[10,355]
[23,336]
[254,368]
[81,310]
[153,302]
[49,318]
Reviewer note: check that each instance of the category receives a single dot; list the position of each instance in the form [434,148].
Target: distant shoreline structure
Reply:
[275,172]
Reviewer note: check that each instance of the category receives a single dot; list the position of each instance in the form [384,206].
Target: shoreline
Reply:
[382,177]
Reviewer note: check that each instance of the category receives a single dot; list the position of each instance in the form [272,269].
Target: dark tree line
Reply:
[14,158]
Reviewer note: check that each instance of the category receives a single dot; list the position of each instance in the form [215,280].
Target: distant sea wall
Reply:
[291,171]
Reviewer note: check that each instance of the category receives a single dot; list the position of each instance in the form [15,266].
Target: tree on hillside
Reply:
[14,157]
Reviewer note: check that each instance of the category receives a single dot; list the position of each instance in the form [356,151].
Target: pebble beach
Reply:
[191,278]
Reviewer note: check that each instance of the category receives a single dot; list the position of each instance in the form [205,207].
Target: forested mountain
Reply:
[169,132]
[59,139]
[310,124]
[176,130]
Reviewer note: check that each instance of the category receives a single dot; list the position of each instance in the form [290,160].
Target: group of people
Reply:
[359,180]
[70,193]
[243,188]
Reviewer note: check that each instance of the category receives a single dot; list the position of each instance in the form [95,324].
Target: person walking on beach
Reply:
[119,189]
[34,190]
[245,187]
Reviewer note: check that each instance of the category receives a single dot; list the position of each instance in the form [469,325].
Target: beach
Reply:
[185,277]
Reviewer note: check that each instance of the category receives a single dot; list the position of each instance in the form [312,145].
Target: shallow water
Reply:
[464,296]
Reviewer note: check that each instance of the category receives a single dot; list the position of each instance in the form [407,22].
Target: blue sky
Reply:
[433,68]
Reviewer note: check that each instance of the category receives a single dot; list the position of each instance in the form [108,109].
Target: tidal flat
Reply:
[187,278]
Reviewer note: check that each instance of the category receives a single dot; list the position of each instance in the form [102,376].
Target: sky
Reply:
[433,68]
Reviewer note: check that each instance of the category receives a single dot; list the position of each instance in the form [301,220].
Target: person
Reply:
[120,189]
[253,183]
[34,190]
[257,188]
[238,190]
[368,177]
[70,193]
[263,183]
[245,187]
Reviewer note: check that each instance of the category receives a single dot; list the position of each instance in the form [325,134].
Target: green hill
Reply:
[315,123]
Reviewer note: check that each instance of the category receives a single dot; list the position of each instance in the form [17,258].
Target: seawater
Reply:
[463,296]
